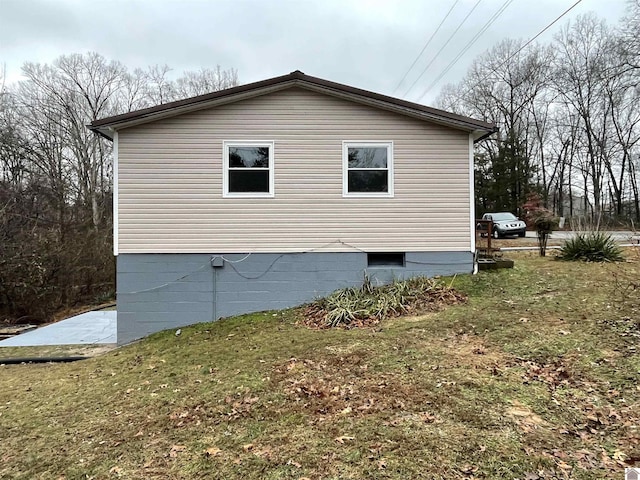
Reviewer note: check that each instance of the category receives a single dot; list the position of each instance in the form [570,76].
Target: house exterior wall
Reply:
[170,181]
[163,291]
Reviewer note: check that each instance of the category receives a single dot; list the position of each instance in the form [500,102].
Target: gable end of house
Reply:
[107,126]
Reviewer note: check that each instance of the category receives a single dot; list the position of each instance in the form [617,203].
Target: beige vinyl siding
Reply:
[170,181]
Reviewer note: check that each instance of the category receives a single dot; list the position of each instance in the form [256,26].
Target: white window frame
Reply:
[225,168]
[345,168]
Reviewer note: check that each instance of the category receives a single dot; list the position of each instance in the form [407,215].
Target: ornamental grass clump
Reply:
[591,247]
[368,304]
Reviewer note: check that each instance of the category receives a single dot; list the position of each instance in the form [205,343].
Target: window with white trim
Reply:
[248,169]
[367,169]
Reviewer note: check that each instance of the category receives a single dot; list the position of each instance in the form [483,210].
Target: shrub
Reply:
[49,262]
[542,219]
[591,247]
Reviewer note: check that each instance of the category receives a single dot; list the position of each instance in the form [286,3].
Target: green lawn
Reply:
[535,377]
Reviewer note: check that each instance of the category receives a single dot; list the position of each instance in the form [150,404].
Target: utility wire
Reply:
[523,46]
[542,31]
[468,46]
[442,48]
[425,46]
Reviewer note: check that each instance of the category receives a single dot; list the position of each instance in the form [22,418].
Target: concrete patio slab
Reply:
[87,328]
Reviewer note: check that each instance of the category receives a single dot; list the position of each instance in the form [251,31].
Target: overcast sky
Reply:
[368,44]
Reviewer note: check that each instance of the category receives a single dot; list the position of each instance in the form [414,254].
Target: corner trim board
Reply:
[115,193]
[472,196]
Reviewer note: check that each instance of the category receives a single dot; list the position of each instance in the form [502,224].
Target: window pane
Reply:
[249,157]
[370,157]
[368,181]
[242,181]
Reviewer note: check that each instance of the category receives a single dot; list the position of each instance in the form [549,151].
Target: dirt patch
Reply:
[472,350]
[56,351]
[524,417]
[343,386]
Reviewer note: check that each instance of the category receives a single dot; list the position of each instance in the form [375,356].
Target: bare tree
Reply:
[159,88]
[506,86]
[623,100]
[581,72]
[75,90]
[12,167]
[572,107]
[204,81]
[56,176]
[630,36]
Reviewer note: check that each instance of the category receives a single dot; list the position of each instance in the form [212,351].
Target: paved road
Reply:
[625,236]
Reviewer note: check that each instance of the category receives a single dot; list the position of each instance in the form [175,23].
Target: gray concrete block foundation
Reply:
[160,291]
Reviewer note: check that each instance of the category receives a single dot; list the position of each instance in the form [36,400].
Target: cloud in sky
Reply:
[366,43]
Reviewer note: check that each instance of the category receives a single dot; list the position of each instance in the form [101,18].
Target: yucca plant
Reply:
[369,304]
[591,247]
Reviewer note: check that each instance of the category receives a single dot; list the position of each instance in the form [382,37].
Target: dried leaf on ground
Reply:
[212,451]
[173,453]
[343,438]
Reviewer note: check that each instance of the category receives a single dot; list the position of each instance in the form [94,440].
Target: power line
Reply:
[542,31]
[425,46]
[524,46]
[442,48]
[464,50]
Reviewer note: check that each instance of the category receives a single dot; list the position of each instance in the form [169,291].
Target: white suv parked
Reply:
[505,223]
